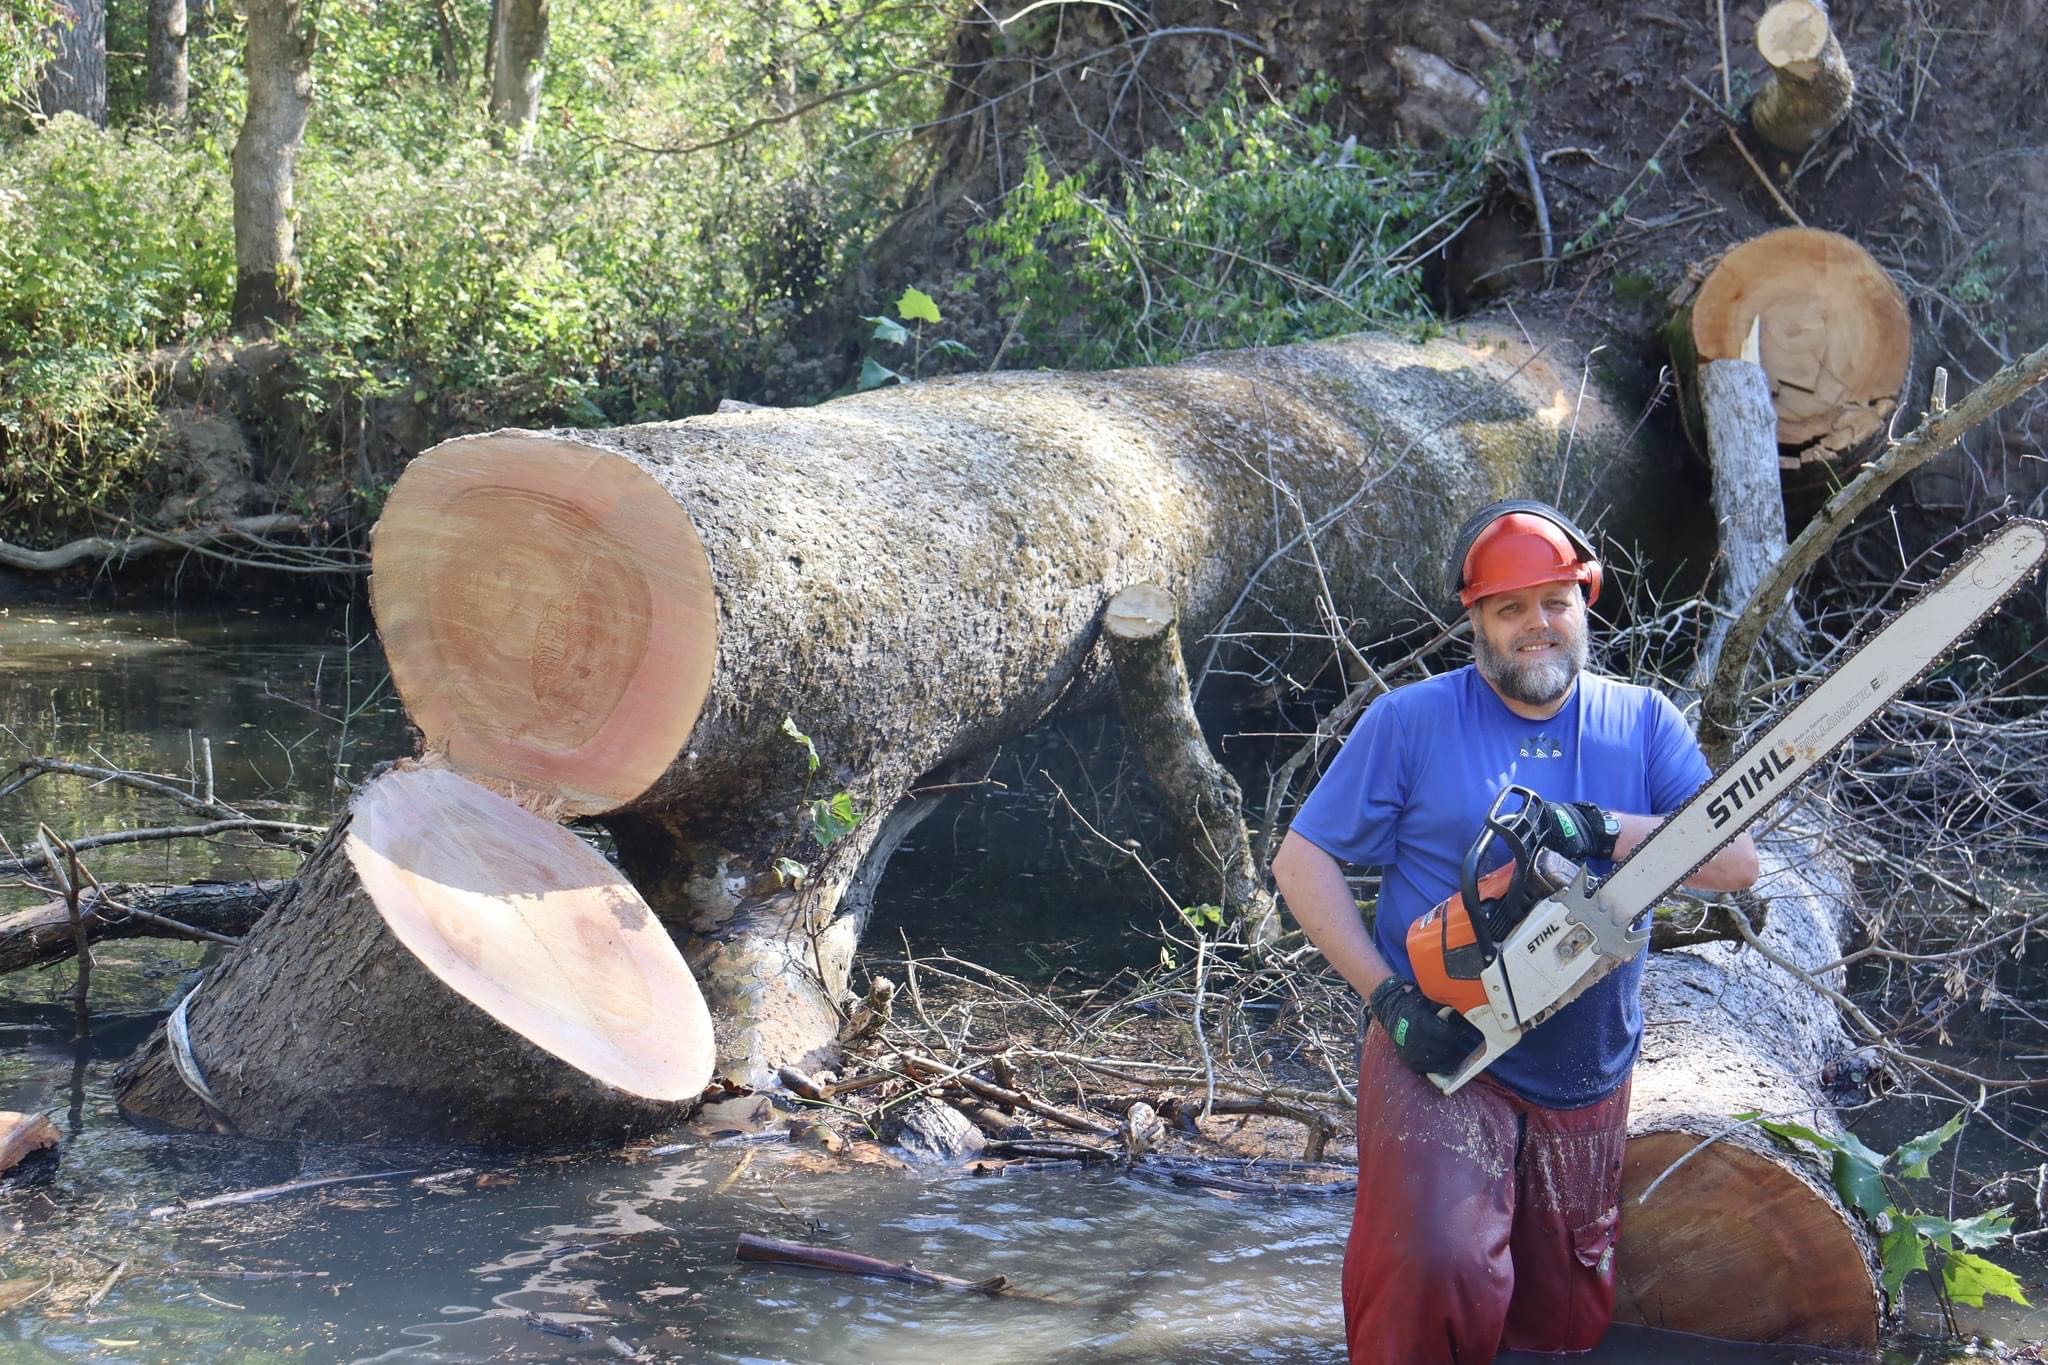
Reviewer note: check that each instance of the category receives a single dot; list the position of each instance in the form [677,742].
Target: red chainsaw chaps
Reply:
[1484,1223]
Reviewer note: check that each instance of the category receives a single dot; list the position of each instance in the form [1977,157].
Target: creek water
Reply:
[596,1255]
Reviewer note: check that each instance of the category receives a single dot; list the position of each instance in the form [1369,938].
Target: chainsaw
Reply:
[1511,948]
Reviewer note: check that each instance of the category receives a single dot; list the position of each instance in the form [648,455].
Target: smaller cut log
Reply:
[22,1136]
[447,966]
[1202,800]
[1835,341]
[1749,501]
[1810,86]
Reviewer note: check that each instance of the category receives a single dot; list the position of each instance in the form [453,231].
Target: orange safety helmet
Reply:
[1519,544]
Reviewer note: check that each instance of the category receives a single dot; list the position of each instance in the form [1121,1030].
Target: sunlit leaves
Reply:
[833,818]
[917,306]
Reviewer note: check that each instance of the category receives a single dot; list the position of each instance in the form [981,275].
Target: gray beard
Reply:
[1531,683]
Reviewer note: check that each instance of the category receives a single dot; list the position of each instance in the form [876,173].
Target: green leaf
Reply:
[810,749]
[1902,1254]
[791,871]
[1791,1132]
[1913,1156]
[873,376]
[1967,1279]
[1861,1184]
[1202,916]
[1986,1229]
[889,330]
[917,306]
[951,347]
[833,818]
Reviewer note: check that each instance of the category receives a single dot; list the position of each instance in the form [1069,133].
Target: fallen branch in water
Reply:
[35,862]
[768,1251]
[140,542]
[257,1196]
[214,912]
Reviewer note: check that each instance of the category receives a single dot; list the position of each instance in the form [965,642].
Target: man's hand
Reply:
[1422,1039]
[1577,829]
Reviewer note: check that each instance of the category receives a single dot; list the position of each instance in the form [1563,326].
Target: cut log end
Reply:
[548,614]
[1143,611]
[1835,336]
[529,923]
[1735,1246]
[1792,31]
[1811,85]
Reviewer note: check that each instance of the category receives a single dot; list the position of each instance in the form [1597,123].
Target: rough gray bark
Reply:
[279,58]
[75,79]
[169,79]
[1202,800]
[1745,1240]
[322,1023]
[915,575]
[519,50]
[1749,504]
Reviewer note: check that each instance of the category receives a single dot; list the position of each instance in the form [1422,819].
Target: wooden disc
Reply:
[1792,31]
[1734,1246]
[578,671]
[1139,612]
[527,922]
[1835,341]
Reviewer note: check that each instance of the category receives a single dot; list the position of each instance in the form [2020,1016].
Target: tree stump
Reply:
[1836,343]
[1810,86]
[447,966]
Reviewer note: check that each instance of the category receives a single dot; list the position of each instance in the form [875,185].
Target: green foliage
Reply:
[810,749]
[1263,228]
[108,247]
[918,307]
[1906,1241]
[599,280]
[833,818]
[1201,917]
[24,47]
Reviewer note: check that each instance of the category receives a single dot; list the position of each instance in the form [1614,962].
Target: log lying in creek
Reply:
[42,933]
[449,966]
[1741,1238]
[633,622]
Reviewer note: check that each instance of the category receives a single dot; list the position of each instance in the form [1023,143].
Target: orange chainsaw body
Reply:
[1444,952]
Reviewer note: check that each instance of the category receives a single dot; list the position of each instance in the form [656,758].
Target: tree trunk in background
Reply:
[75,80]
[451,46]
[279,58]
[910,577]
[519,50]
[1746,1240]
[169,81]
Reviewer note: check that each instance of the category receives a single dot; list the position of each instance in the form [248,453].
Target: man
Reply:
[1486,1220]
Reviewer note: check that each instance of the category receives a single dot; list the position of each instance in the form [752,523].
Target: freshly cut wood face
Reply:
[1737,1247]
[1835,340]
[548,614]
[527,922]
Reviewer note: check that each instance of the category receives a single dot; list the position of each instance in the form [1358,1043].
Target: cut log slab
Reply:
[22,1136]
[1743,1239]
[1836,342]
[447,966]
[909,576]
[1810,86]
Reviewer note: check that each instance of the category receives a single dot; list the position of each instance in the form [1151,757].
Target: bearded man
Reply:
[1487,1219]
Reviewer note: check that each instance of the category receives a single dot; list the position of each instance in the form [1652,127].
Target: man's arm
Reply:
[1734,868]
[1312,883]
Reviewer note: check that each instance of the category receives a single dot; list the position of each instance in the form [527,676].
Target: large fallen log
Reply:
[661,625]
[43,933]
[1724,1232]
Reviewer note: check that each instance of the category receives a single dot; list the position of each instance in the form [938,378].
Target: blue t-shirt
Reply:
[1409,791]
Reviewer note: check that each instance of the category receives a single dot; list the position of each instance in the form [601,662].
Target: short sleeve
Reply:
[1352,812]
[1677,768]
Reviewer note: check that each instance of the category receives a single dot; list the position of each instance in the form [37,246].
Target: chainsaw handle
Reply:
[1519,854]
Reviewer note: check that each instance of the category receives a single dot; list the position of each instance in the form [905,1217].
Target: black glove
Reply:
[1577,829]
[1424,1040]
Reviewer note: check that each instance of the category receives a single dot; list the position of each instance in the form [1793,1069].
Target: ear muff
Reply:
[1589,571]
